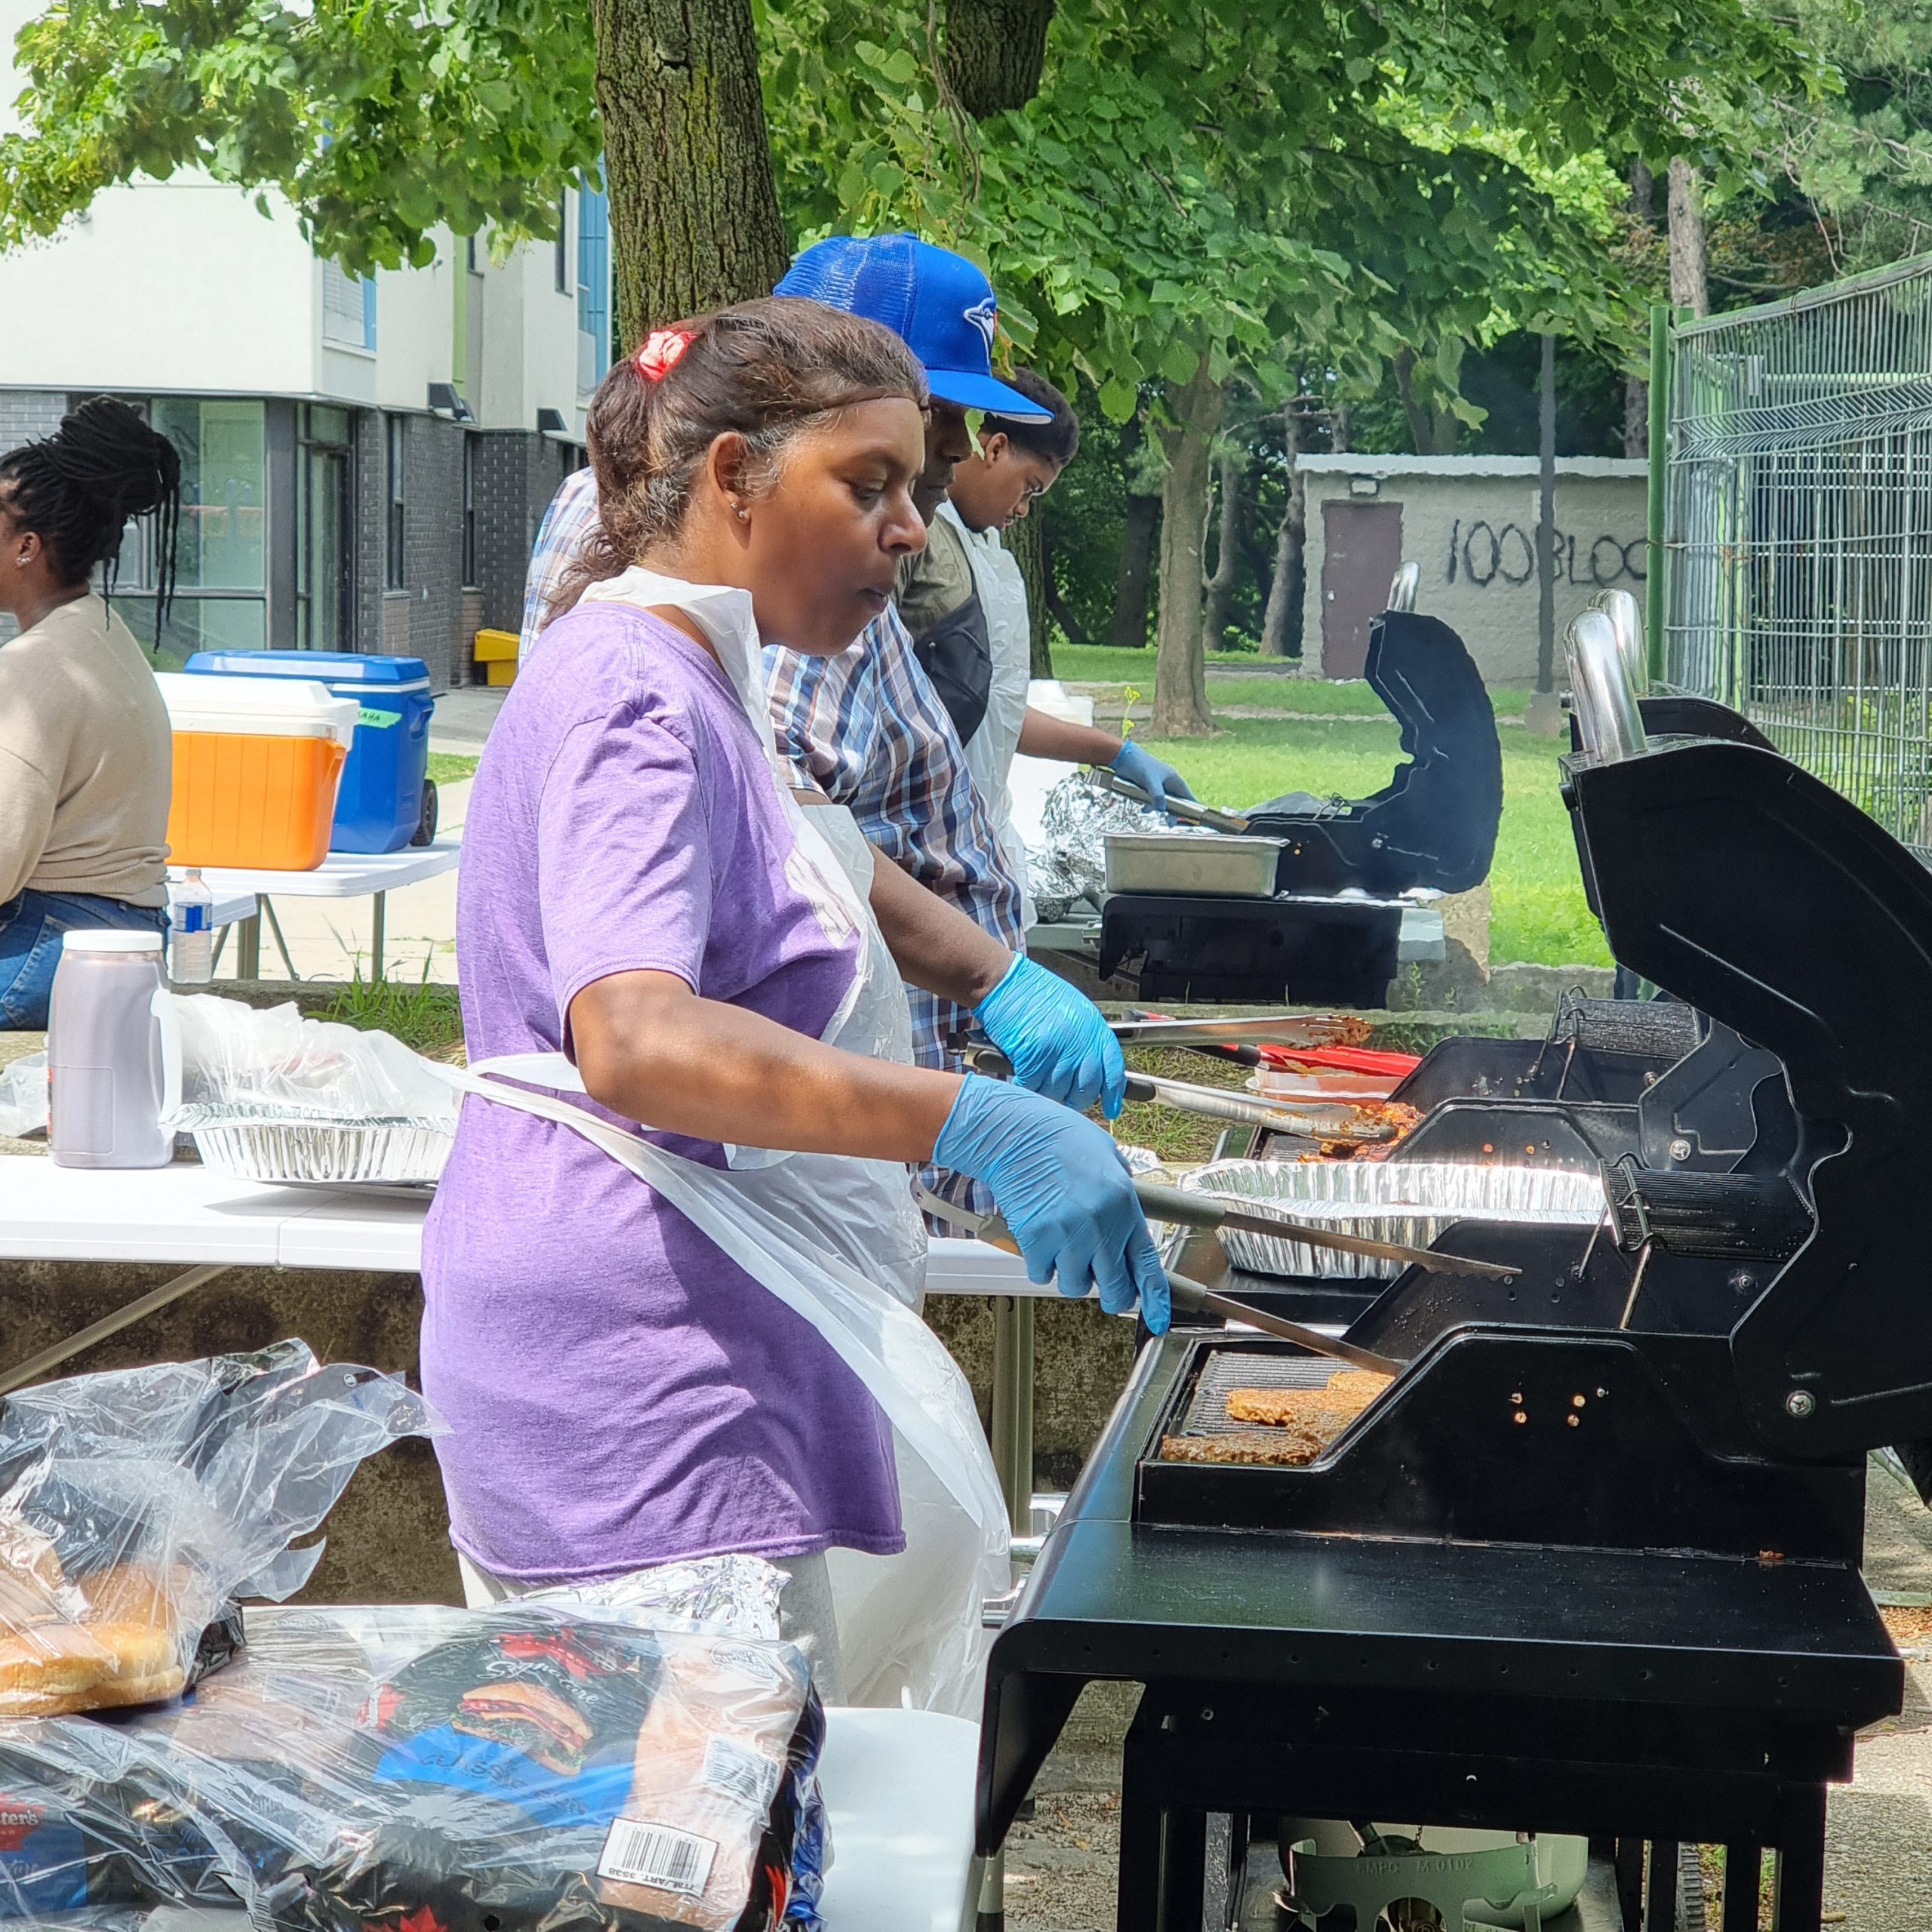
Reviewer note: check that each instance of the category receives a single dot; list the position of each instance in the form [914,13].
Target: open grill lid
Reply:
[1735,880]
[1435,822]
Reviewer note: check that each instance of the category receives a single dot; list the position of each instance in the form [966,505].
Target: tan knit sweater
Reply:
[86,761]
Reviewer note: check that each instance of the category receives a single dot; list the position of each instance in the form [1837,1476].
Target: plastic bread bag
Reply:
[223,1060]
[137,1506]
[512,1770]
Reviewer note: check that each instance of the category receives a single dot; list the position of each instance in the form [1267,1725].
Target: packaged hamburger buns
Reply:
[138,1507]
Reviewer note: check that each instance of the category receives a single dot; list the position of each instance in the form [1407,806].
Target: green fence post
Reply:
[1659,438]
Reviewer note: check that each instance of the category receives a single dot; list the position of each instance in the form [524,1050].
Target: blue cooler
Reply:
[384,796]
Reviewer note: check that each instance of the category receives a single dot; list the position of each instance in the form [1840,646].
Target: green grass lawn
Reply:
[1099,664]
[1537,909]
[450,768]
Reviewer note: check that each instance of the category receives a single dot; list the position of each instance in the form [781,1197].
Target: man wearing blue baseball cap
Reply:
[944,309]
[867,729]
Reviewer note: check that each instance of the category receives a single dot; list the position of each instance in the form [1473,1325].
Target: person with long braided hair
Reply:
[86,755]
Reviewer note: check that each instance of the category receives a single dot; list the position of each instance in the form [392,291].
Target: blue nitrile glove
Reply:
[1064,1190]
[1059,1045]
[1154,775]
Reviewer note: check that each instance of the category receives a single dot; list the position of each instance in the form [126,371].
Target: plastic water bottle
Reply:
[103,1053]
[191,940]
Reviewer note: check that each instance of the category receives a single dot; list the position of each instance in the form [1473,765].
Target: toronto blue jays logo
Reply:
[983,315]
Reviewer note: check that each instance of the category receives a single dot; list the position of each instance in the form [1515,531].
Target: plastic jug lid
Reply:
[110,938]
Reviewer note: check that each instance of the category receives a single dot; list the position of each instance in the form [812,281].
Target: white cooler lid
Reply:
[258,707]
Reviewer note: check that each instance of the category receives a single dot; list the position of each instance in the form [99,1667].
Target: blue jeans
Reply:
[30,929]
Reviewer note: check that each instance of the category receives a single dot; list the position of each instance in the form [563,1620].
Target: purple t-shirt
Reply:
[618,1393]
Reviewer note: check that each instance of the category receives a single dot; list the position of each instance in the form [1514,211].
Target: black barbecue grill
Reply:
[1332,932]
[1591,1565]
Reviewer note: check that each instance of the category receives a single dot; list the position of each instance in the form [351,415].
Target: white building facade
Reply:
[364,463]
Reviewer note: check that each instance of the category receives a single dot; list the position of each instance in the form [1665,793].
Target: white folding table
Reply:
[188,1215]
[341,876]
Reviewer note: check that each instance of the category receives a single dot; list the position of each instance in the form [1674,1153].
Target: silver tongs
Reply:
[1190,811]
[1211,1213]
[1305,1030]
[1190,1297]
[1342,1121]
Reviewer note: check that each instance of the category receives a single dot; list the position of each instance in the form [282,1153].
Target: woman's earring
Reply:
[739,511]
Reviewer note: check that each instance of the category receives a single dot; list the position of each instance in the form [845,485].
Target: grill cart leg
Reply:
[1163,1850]
[1743,1872]
[1660,1913]
[1798,1887]
[1630,1882]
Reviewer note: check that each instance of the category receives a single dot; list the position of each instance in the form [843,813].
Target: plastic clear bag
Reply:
[136,1507]
[503,1770]
[225,1060]
[24,1096]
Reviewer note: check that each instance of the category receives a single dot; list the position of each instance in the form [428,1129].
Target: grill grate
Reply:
[1228,1369]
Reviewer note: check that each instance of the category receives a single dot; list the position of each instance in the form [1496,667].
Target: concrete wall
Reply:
[1471,523]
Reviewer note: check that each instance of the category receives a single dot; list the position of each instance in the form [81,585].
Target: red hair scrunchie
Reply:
[661,350]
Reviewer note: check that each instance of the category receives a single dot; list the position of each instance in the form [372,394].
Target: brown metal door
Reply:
[1362,550]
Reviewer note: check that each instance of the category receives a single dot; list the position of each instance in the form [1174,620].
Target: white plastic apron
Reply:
[838,1241]
[992,748]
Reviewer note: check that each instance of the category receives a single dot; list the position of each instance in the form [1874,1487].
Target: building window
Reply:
[397,426]
[324,455]
[221,554]
[564,243]
[593,284]
[469,512]
[349,309]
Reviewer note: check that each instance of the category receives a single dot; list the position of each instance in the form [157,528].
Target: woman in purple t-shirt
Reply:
[620,1394]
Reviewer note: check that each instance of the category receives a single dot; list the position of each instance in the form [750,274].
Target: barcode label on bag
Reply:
[667,1860]
[740,1772]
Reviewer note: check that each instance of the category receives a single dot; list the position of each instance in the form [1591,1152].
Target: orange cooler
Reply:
[256,763]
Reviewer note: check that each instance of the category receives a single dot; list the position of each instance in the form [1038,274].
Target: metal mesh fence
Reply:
[1799,532]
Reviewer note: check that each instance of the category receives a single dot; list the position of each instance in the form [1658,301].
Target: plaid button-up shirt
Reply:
[867,729]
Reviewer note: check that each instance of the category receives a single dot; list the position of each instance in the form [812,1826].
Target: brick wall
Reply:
[25,415]
[517,474]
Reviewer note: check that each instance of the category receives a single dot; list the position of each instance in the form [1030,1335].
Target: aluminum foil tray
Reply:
[1392,1201]
[398,1154]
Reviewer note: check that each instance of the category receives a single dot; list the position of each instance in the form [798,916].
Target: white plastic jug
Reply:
[103,1053]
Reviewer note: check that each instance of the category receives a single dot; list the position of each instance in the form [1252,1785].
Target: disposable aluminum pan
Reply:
[403,1153]
[1225,864]
[1387,1201]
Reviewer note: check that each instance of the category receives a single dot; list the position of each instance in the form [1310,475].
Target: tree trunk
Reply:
[1637,388]
[1219,589]
[1432,431]
[1338,429]
[1180,675]
[992,51]
[1026,539]
[1062,613]
[694,220]
[1134,581]
[1282,618]
[1690,279]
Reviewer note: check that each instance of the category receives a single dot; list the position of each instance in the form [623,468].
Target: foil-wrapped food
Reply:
[1068,869]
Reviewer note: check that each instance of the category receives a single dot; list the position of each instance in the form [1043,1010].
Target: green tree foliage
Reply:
[378,120]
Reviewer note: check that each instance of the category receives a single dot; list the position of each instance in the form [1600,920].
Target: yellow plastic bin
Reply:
[497,652]
[256,763]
